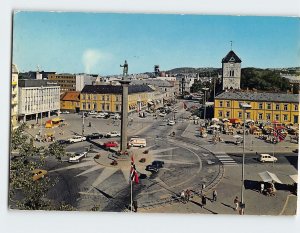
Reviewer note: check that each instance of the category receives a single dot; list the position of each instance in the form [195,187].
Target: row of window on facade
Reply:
[261,105]
[260,116]
[94,97]
[104,107]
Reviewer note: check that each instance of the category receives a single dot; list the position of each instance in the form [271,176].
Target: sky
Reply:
[98,43]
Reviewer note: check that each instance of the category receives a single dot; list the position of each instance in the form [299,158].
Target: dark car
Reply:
[62,142]
[94,136]
[107,116]
[158,164]
[151,168]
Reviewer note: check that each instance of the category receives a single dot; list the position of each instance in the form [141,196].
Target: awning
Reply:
[150,102]
[57,119]
[269,177]
[294,178]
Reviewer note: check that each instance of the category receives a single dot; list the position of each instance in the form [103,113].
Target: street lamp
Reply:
[245,107]
[204,89]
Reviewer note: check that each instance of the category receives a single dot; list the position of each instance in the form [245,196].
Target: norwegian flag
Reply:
[278,133]
[133,173]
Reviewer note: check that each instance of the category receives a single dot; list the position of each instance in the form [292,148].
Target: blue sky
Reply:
[99,43]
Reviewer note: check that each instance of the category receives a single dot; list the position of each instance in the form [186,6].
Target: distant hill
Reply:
[206,71]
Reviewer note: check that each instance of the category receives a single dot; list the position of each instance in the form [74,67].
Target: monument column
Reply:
[124,121]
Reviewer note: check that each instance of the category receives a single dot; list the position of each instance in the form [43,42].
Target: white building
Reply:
[14,96]
[85,79]
[37,98]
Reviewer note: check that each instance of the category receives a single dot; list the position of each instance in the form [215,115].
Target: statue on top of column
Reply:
[125,69]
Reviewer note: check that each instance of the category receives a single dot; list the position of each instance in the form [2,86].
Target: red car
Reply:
[110,144]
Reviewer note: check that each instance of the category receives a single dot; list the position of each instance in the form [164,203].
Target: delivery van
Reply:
[139,142]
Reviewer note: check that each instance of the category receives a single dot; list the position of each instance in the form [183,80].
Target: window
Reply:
[248,115]
[107,107]
[83,106]
[83,97]
[277,117]
[103,97]
[277,107]
[260,116]
[285,117]
[227,103]
[268,106]
[117,108]
[221,103]
[103,107]
[285,107]
[107,97]
[95,97]
[240,114]
[95,106]
[296,107]
[220,114]
[117,98]
[227,114]
[268,116]
[88,106]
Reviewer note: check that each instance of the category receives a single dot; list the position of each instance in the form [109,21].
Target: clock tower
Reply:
[231,71]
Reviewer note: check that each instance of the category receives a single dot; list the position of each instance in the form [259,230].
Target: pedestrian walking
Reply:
[135,205]
[182,196]
[203,201]
[215,195]
[236,202]
[188,195]
[262,187]
[203,187]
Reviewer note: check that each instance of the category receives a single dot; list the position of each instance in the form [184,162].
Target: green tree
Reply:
[25,192]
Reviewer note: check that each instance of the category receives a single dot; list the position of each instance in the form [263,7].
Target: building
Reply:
[231,71]
[35,75]
[70,101]
[265,106]
[85,79]
[294,81]
[67,82]
[108,98]
[37,98]
[14,96]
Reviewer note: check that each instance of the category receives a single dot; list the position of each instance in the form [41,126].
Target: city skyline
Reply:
[99,43]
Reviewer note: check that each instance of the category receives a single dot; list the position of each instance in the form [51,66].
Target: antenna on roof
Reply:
[231,45]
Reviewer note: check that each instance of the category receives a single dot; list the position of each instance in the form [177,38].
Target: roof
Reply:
[153,82]
[36,83]
[113,89]
[71,96]
[231,57]
[259,96]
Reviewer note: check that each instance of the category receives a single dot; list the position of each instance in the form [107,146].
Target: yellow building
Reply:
[108,98]
[70,101]
[264,106]
[14,96]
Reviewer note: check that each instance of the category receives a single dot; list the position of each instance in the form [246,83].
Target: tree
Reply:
[25,192]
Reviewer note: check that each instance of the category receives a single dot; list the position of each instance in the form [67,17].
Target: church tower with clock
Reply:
[231,71]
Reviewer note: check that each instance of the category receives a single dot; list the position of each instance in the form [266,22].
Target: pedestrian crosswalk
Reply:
[226,160]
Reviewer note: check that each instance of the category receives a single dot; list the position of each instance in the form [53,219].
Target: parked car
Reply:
[107,116]
[38,174]
[267,158]
[158,164]
[171,123]
[113,134]
[92,113]
[77,157]
[62,142]
[162,114]
[151,168]
[65,112]
[110,144]
[99,115]
[77,138]
[94,136]
[116,116]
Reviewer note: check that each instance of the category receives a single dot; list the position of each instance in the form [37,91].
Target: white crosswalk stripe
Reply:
[226,160]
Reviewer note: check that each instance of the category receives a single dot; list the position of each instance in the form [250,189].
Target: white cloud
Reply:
[92,58]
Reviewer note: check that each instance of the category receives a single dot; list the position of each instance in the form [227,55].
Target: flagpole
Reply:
[131,195]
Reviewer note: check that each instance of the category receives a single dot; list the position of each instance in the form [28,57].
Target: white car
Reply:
[267,158]
[113,134]
[116,116]
[77,139]
[100,115]
[65,112]
[77,157]
[92,113]
[162,114]
[171,123]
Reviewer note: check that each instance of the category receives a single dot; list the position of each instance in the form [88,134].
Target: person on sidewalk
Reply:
[203,201]
[214,195]
[135,205]
[262,187]
[236,202]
